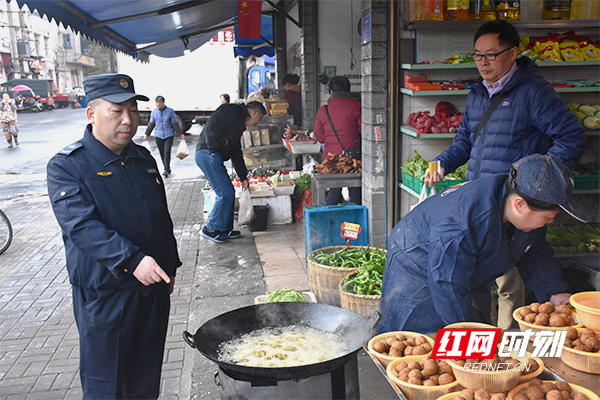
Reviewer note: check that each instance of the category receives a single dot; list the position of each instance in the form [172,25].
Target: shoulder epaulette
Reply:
[71,148]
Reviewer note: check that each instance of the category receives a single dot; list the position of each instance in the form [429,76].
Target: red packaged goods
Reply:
[411,79]
[425,86]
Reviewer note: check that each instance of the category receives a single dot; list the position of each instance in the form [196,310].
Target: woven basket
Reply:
[359,303]
[587,305]
[581,360]
[418,392]
[575,389]
[324,280]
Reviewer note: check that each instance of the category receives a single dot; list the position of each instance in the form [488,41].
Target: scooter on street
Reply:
[33,104]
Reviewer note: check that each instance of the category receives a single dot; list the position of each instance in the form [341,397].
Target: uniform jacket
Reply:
[113,211]
[294,100]
[346,116]
[228,121]
[163,121]
[448,251]
[526,122]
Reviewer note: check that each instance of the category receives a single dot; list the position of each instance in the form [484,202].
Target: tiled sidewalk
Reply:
[281,250]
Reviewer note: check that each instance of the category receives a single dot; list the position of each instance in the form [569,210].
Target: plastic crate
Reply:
[417,184]
[587,182]
[322,226]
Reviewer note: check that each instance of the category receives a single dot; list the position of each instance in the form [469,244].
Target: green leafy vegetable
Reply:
[285,295]
[581,239]
[417,167]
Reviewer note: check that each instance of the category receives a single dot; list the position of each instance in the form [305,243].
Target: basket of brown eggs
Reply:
[498,374]
[545,317]
[422,378]
[582,350]
[551,390]
[390,346]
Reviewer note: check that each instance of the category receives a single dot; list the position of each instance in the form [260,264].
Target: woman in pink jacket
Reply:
[345,115]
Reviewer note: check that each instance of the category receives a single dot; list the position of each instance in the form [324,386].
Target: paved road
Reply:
[23,168]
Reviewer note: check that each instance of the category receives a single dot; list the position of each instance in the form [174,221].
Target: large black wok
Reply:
[353,328]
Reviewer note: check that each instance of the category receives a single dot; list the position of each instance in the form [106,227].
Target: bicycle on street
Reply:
[5,232]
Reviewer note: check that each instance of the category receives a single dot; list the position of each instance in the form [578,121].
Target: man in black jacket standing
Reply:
[219,142]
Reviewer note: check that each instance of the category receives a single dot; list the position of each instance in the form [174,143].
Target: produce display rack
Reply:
[591,89]
[410,131]
[472,65]
[584,185]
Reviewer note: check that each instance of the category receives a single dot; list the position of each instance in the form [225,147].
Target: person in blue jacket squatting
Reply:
[109,199]
[445,254]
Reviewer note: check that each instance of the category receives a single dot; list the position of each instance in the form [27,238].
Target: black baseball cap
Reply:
[116,88]
[546,179]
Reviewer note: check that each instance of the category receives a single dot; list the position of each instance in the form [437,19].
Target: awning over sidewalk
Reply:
[143,27]
[258,47]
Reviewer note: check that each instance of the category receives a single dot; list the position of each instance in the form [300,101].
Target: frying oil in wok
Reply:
[291,346]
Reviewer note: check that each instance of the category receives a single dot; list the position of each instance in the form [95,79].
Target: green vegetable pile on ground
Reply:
[581,239]
[416,167]
[283,295]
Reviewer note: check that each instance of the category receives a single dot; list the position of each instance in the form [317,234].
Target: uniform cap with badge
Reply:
[116,88]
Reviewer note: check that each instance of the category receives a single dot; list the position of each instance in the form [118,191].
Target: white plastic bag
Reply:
[182,150]
[424,195]
[246,212]
[146,144]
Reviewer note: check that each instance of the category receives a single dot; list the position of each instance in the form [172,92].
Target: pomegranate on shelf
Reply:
[445,120]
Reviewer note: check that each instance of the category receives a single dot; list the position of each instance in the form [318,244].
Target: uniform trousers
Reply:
[121,341]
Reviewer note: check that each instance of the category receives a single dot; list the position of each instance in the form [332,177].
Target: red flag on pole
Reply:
[249,18]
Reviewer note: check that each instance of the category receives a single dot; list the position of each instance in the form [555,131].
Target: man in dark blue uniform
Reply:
[110,202]
[445,254]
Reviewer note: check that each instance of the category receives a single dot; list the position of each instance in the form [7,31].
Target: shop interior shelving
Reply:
[266,147]
[410,131]
[417,195]
[585,89]
[567,24]
[473,66]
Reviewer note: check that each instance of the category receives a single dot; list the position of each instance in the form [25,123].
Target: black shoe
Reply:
[214,235]
[166,174]
[234,234]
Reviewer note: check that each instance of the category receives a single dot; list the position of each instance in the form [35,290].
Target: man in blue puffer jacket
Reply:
[531,119]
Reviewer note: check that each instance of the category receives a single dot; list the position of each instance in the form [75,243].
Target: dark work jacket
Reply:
[531,119]
[446,253]
[228,121]
[113,211]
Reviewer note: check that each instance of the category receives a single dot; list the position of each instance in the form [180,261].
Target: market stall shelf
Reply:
[320,182]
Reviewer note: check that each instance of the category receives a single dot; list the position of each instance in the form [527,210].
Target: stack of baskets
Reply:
[587,305]
[324,280]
